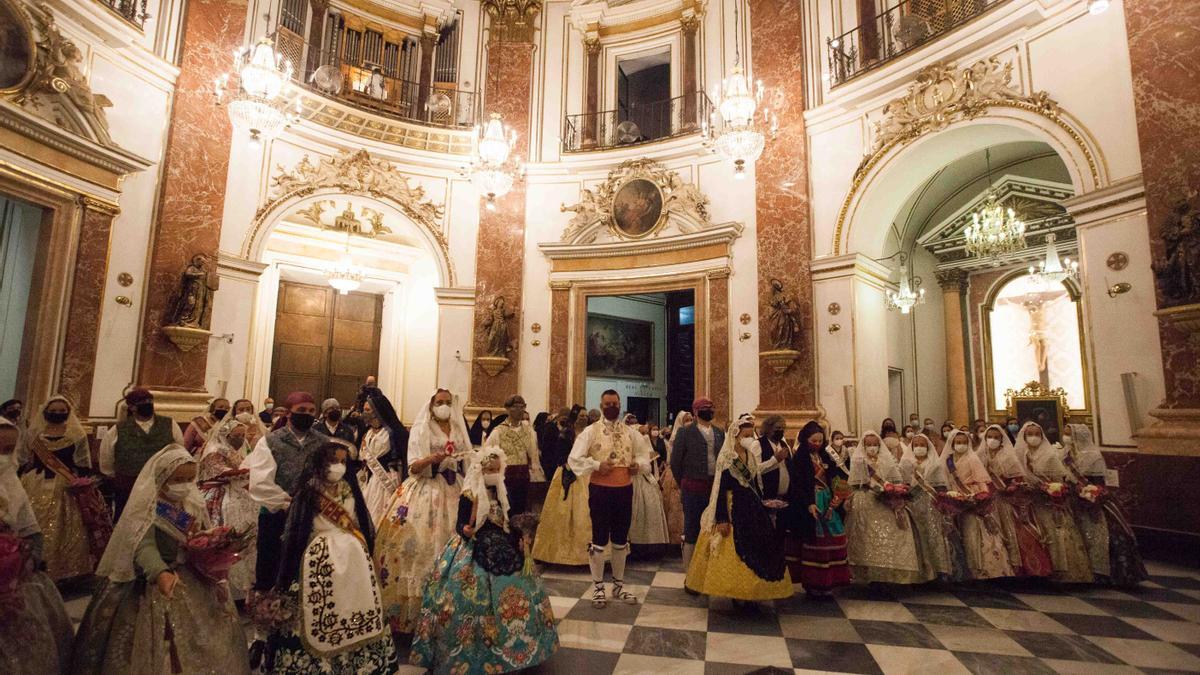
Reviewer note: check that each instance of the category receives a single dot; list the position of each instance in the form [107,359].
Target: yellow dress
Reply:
[565,527]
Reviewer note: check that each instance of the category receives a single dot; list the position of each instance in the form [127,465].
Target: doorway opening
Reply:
[643,347]
[644,97]
[20,233]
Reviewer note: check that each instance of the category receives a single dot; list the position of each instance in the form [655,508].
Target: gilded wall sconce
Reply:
[745,319]
[835,327]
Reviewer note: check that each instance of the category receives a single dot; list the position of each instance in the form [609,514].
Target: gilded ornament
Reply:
[596,210]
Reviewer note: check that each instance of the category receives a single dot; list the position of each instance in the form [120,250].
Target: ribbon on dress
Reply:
[378,471]
[333,510]
[175,521]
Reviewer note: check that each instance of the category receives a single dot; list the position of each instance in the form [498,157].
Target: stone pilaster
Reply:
[954,288]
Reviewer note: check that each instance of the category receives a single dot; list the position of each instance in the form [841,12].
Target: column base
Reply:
[180,406]
[1177,432]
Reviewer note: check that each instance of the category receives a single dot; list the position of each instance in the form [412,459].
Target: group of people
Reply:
[335,533]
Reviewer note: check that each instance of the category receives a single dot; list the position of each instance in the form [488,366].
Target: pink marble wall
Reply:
[782,209]
[1164,52]
[500,261]
[193,189]
[87,294]
[560,344]
[718,346]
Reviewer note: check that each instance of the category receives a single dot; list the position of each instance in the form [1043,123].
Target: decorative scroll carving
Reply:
[57,90]
[594,211]
[512,20]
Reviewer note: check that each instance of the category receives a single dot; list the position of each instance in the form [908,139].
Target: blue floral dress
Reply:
[483,610]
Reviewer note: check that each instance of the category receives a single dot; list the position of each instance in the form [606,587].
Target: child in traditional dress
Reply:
[225,486]
[1044,469]
[484,610]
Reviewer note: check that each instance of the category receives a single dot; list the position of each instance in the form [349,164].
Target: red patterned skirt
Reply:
[819,564]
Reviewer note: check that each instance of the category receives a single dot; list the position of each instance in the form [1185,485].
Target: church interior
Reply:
[898,224]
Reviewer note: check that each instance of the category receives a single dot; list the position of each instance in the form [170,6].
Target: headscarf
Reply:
[74,432]
[1003,463]
[255,429]
[1083,454]
[218,438]
[140,512]
[477,431]
[1041,465]
[15,509]
[397,433]
[725,459]
[477,485]
[932,469]
[422,431]
[965,468]
[886,467]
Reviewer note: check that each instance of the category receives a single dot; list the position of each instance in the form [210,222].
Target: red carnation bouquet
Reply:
[895,496]
[212,553]
[953,502]
[1093,494]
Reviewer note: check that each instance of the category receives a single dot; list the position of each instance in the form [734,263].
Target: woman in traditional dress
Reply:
[420,518]
[881,542]
[565,527]
[70,510]
[1013,505]
[987,556]
[671,496]
[326,567]
[225,486]
[479,427]
[153,614]
[255,429]
[938,540]
[1111,544]
[484,610]
[1043,468]
[648,525]
[379,451]
[737,553]
[35,632]
[814,538]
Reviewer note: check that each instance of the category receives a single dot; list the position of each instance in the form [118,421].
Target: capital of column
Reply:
[690,21]
[953,280]
[591,43]
[560,285]
[319,6]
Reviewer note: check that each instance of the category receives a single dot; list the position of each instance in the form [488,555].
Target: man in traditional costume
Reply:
[132,441]
[519,443]
[694,465]
[610,454]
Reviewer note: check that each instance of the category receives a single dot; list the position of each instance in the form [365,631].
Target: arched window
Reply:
[1034,334]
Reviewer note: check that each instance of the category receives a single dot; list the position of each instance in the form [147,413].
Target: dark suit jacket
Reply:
[770,479]
[688,454]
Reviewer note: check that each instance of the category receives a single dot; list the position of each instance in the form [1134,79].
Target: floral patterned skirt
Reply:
[565,527]
[36,638]
[472,621]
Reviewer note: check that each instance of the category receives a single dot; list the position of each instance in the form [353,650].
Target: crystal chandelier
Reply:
[256,105]
[1053,271]
[905,298]
[740,124]
[994,230]
[494,169]
[344,275]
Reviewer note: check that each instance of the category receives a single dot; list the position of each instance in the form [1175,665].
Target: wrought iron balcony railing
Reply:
[899,29]
[633,125]
[133,11]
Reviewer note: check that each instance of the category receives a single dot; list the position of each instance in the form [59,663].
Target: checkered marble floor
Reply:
[1016,627]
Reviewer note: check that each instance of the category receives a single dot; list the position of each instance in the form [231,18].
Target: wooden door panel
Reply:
[304,299]
[302,359]
[358,307]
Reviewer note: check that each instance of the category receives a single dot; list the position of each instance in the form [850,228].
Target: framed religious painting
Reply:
[637,208]
[619,348]
[1036,403]
[18,51]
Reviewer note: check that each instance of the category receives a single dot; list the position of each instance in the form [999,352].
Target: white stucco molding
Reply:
[455,297]
[235,266]
[725,234]
[1117,200]
[854,265]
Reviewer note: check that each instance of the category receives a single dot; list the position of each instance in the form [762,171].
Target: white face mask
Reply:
[441,411]
[1033,441]
[993,443]
[177,492]
[920,451]
[872,450]
[335,472]
[946,434]
[909,434]
[748,443]
[1067,441]
[493,479]
[960,448]
[837,442]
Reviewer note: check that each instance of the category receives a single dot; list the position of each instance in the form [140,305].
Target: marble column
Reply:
[560,344]
[690,25]
[782,209]
[500,257]
[954,289]
[428,43]
[87,296]
[191,197]
[591,89]
[718,344]
[316,37]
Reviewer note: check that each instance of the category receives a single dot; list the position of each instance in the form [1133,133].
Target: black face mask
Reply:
[55,417]
[301,421]
[220,414]
[144,409]
[777,435]
[611,412]
[706,415]
[334,416]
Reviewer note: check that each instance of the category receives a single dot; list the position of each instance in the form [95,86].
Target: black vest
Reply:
[290,455]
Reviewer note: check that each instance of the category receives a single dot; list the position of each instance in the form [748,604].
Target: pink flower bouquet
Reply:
[212,553]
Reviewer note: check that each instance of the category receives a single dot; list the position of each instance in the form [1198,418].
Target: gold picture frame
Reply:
[17,33]
[1035,403]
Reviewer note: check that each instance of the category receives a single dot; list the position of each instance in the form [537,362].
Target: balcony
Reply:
[897,31]
[636,125]
[132,11]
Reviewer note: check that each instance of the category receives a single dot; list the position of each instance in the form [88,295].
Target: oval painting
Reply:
[16,48]
[637,207]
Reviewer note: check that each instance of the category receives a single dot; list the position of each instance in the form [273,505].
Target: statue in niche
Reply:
[495,326]
[784,318]
[1178,271]
[192,305]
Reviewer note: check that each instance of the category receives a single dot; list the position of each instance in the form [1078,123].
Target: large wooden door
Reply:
[325,343]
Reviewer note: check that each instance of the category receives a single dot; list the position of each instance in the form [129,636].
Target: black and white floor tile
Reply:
[1016,627]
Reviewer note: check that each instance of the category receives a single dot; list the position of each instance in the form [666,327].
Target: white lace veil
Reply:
[422,429]
[886,468]
[477,486]
[252,421]
[15,509]
[931,470]
[725,459]
[1087,457]
[138,516]
[1045,464]
[74,431]
[218,437]
[1004,462]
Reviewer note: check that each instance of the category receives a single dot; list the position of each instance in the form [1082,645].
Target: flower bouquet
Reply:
[271,611]
[1054,493]
[1092,497]
[895,496]
[212,553]
[952,502]
[841,492]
